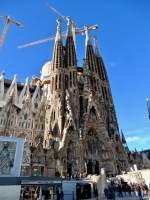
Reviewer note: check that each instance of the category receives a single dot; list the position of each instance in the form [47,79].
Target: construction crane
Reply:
[8,20]
[75,31]
[148,107]
[53,38]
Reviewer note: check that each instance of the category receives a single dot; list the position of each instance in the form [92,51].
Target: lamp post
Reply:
[148,106]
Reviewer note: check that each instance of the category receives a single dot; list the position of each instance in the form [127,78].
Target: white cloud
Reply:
[132,139]
[134,132]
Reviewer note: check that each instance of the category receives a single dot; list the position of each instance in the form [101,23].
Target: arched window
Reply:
[60,81]
[70,80]
[81,105]
[66,82]
[92,111]
[74,78]
[54,115]
[52,87]
[103,93]
[95,84]
[56,83]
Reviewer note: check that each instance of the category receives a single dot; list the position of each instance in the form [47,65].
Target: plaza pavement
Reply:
[124,198]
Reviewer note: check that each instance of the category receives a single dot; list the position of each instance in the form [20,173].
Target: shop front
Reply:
[40,189]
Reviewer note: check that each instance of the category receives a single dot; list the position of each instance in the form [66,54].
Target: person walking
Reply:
[105,191]
[138,189]
[129,190]
[96,194]
[119,189]
[61,195]
[58,195]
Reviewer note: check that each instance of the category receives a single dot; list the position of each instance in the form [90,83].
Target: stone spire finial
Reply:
[88,42]
[27,80]
[3,73]
[15,76]
[69,31]
[97,52]
[58,34]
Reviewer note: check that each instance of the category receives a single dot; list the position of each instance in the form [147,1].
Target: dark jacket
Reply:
[61,194]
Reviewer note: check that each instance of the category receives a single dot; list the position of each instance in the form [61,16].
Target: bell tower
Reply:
[55,105]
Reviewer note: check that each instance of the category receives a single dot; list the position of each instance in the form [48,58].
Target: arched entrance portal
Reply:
[93,167]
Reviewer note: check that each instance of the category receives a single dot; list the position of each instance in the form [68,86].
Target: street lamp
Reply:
[148,106]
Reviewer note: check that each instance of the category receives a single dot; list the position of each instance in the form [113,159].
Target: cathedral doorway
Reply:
[89,167]
[93,167]
[69,169]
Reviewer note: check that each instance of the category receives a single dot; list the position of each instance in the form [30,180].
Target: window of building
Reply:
[38,171]
[25,171]
[25,116]
[36,105]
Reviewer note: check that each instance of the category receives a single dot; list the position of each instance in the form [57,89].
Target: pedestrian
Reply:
[129,190]
[133,189]
[124,189]
[61,195]
[96,194]
[105,191]
[138,189]
[142,191]
[119,189]
[58,195]
[136,193]
[145,188]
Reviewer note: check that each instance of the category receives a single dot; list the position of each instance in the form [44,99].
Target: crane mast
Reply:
[8,20]
[148,106]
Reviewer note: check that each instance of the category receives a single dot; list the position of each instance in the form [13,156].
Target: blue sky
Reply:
[124,42]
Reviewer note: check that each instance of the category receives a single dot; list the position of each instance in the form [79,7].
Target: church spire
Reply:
[70,53]
[69,30]
[123,138]
[97,52]
[58,56]
[58,34]
[88,42]
[100,64]
[90,57]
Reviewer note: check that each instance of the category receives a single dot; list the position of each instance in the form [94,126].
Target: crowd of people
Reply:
[132,189]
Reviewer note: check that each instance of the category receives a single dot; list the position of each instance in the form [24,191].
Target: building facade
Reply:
[67,116]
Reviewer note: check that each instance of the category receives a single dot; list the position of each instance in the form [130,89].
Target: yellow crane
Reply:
[75,31]
[8,20]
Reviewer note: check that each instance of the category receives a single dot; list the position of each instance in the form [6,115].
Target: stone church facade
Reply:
[67,116]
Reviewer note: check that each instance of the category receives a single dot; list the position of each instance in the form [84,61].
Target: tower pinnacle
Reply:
[69,31]
[58,34]
[97,52]
[88,42]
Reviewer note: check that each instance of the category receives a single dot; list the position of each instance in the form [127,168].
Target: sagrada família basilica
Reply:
[67,116]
